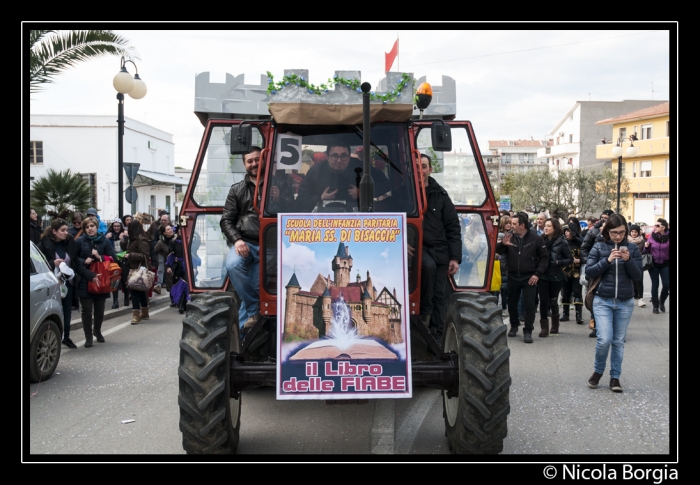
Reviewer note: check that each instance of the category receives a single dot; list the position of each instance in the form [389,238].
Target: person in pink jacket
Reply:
[659,246]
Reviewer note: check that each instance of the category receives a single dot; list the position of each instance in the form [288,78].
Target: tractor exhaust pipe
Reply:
[366,197]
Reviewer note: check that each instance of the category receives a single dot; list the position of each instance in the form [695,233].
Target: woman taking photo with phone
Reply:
[618,263]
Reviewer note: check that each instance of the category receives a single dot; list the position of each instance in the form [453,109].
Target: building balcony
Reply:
[647,148]
[568,150]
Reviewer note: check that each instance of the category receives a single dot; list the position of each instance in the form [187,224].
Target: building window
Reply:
[36,152]
[667,129]
[571,138]
[666,167]
[634,169]
[645,169]
[91,180]
[623,133]
[646,132]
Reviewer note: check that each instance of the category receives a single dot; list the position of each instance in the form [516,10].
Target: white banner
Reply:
[288,152]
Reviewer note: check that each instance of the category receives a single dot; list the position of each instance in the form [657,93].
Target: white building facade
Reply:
[88,144]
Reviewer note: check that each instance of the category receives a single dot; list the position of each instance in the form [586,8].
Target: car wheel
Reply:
[44,352]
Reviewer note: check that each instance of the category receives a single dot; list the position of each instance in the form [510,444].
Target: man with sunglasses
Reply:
[331,185]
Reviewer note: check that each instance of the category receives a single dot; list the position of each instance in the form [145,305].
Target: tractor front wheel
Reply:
[209,417]
[476,415]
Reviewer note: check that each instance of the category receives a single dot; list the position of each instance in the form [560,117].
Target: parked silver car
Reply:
[45,317]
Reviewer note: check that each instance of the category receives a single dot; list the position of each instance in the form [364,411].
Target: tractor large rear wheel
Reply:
[476,418]
[209,418]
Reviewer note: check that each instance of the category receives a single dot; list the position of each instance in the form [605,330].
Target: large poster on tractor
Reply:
[343,307]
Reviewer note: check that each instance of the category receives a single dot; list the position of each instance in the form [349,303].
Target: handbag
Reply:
[496,277]
[115,275]
[140,279]
[102,270]
[591,293]
[62,281]
[647,262]
[582,278]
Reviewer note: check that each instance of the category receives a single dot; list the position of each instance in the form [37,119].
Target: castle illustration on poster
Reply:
[341,336]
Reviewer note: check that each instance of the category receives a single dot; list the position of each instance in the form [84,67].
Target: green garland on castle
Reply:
[354,84]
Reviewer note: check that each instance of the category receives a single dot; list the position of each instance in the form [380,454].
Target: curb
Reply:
[156,301]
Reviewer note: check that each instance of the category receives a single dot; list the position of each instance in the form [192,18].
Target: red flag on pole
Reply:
[391,55]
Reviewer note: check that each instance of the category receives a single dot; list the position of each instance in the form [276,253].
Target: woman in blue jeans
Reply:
[618,263]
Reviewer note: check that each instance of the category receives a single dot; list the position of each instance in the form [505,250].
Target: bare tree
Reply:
[577,191]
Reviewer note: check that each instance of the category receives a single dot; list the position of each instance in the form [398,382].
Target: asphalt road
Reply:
[133,376]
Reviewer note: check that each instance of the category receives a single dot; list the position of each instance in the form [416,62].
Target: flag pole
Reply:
[398,54]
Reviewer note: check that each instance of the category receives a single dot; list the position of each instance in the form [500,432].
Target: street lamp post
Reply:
[136,88]
[617,152]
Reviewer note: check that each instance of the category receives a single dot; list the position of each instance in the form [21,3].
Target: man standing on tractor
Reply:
[241,226]
[442,250]
[528,259]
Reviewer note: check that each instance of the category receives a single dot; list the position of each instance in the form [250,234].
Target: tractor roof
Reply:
[339,101]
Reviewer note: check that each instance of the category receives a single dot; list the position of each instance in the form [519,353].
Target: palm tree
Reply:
[52,52]
[60,193]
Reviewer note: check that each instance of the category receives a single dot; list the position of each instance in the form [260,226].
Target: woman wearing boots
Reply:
[58,246]
[659,246]
[571,294]
[92,247]
[116,232]
[138,255]
[549,285]
[637,238]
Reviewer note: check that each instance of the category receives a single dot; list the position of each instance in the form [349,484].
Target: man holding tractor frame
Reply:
[442,250]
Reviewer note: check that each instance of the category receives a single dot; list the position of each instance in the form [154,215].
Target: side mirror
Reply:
[441,137]
[241,136]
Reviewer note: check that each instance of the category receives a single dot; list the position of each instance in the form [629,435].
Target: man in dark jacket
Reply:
[528,259]
[331,185]
[241,226]
[442,250]
[593,232]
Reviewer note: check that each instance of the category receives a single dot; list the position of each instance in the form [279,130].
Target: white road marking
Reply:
[383,428]
[406,434]
[110,331]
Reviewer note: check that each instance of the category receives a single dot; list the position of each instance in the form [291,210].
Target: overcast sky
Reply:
[511,84]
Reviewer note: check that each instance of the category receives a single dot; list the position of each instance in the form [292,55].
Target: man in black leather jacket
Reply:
[528,259]
[241,226]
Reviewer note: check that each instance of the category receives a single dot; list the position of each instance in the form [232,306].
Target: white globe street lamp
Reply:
[136,88]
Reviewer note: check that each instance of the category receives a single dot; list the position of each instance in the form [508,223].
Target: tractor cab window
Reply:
[318,169]
[475,252]
[457,171]
[220,169]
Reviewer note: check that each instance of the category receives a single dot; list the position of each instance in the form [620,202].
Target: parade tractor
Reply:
[470,365]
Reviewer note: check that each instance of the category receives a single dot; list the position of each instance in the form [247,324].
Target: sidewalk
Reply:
[155,302]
